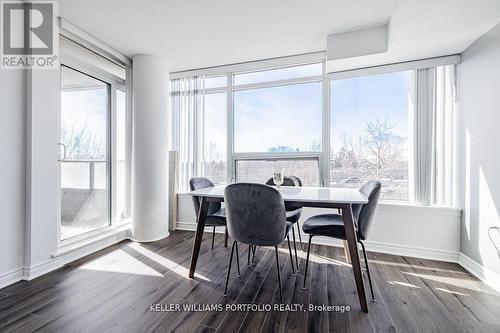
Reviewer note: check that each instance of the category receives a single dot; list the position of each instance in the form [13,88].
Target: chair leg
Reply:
[279,273]
[225,238]
[238,259]
[253,254]
[213,238]
[229,268]
[249,252]
[307,261]
[300,237]
[290,251]
[295,248]
[367,269]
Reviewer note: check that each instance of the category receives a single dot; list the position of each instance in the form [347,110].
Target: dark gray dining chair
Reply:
[332,225]
[256,217]
[216,215]
[293,211]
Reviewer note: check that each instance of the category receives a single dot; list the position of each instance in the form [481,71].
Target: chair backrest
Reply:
[255,214]
[288,181]
[364,213]
[197,183]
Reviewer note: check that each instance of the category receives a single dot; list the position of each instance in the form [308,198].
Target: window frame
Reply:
[234,157]
[114,83]
[326,78]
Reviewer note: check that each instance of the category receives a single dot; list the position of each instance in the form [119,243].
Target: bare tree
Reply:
[82,144]
[349,155]
[382,144]
[211,152]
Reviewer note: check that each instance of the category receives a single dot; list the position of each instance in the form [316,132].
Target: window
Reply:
[93,140]
[369,132]
[84,162]
[278,119]
[215,82]
[259,171]
[385,125]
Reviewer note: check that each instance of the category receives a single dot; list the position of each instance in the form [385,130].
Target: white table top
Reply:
[299,194]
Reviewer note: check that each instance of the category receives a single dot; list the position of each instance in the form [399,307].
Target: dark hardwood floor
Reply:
[112,291]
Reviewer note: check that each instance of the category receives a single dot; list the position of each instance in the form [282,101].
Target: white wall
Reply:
[12,173]
[425,232]
[479,121]
[42,121]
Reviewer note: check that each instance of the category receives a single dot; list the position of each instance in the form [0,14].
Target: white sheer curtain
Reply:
[434,136]
[423,115]
[444,137]
[187,126]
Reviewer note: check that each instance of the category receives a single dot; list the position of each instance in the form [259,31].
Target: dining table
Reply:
[319,197]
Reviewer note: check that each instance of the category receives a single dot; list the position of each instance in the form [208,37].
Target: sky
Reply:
[278,116]
[354,102]
[291,115]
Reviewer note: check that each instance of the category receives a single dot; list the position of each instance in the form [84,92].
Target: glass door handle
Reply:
[64,151]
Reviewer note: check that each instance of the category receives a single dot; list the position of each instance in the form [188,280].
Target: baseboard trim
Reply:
[11,277]
[484,274]
[395,249]
[411,251]
[34,271]
[68,255]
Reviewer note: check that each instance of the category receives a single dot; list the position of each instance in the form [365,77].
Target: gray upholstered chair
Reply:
[293,211]
[216,215]
[256,217]
[332,225]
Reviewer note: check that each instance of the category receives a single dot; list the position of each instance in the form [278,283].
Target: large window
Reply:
[337,130]
[369,132]
[94,154]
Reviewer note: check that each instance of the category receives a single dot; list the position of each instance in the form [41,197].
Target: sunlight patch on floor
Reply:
[122,263]
[161,260]
[405,265]
[314,257]
[460,283]
[451,292]
[403,284]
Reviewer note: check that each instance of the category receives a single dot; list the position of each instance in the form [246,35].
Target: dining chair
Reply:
[216,215]
[293,211]
[256,217]
[332,225]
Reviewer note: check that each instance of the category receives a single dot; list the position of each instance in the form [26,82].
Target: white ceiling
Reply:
[202,33]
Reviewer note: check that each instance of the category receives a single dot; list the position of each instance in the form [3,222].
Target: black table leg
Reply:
[200,221]
[353,251]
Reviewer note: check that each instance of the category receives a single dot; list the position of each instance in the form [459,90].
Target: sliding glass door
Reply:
[84,153]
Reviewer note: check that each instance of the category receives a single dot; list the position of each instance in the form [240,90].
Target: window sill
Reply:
[394,206]
[409,207]
[90,238]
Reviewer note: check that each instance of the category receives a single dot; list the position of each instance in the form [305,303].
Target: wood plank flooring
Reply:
[112,291]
